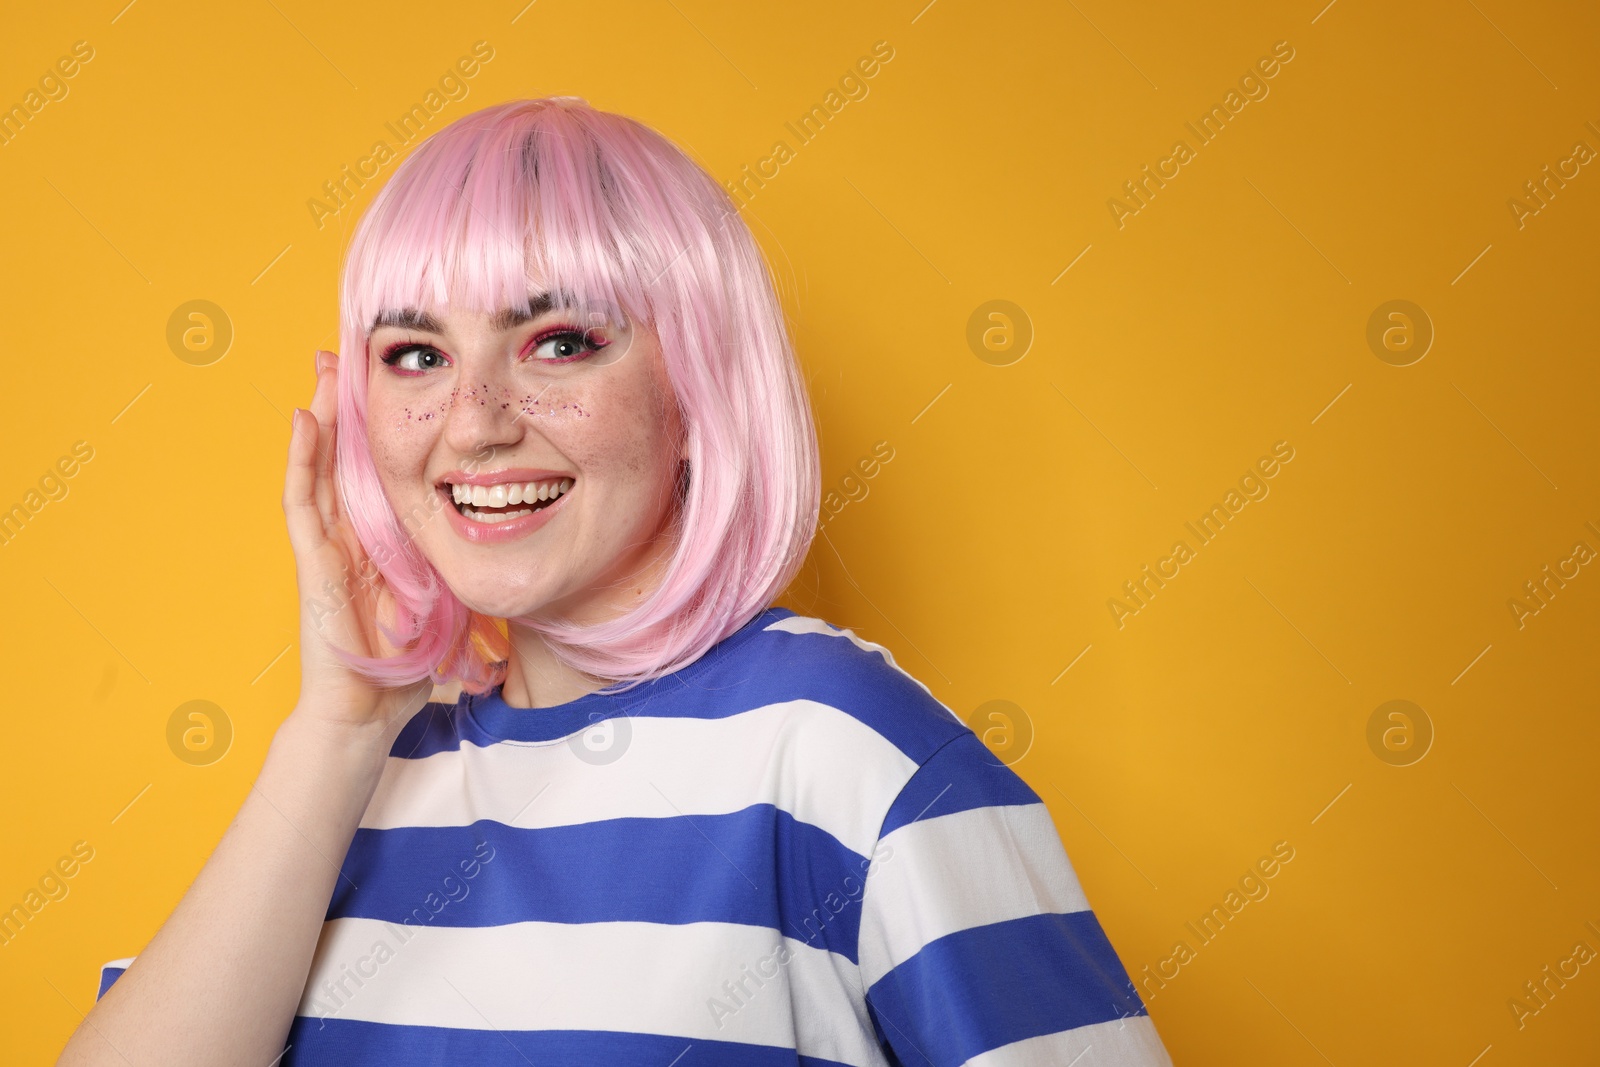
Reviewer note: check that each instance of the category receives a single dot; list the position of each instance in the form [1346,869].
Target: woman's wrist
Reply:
[319,776]
[354,752]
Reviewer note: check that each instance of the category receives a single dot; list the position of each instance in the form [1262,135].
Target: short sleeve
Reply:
[109,973]
[977,944]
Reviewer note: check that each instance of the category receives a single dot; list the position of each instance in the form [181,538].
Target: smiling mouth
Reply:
[501,503]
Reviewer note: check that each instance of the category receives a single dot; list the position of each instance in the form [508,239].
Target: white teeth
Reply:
[492,517]
[505,494]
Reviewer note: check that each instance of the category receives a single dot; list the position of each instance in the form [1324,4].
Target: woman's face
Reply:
[506,409]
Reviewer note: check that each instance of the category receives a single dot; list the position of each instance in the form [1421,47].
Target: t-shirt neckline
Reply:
[488,713]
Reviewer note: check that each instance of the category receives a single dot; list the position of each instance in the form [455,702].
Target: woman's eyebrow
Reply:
[504,319]
[538,304]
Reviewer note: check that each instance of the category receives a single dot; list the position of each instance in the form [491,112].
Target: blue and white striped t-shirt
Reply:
[789,852]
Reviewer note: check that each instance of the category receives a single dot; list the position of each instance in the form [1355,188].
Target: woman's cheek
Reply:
[620,434]
[405,418]
[399,443]
[553,406]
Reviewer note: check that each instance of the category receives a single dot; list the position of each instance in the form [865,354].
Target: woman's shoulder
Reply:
[792,656]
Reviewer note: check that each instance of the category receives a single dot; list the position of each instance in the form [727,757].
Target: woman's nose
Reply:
[484,412]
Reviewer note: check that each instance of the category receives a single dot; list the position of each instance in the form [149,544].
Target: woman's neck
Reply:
[536,679]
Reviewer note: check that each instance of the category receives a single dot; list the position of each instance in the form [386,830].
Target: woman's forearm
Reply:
[220,981]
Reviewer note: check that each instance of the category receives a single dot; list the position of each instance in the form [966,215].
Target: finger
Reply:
[325,406]
[306,530]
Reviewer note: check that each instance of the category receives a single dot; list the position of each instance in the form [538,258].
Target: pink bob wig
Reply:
[554,196]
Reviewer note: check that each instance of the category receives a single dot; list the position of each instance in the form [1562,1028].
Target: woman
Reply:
[663,821]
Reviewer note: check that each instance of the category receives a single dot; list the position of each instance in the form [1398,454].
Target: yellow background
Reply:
[1230,313]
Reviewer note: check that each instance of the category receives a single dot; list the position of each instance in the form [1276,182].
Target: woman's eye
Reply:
[413,359]
[565,346]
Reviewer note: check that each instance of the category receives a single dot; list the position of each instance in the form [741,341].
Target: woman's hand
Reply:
[223,977]
[339,606]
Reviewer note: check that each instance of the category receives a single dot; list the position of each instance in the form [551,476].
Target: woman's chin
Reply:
[499,602]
